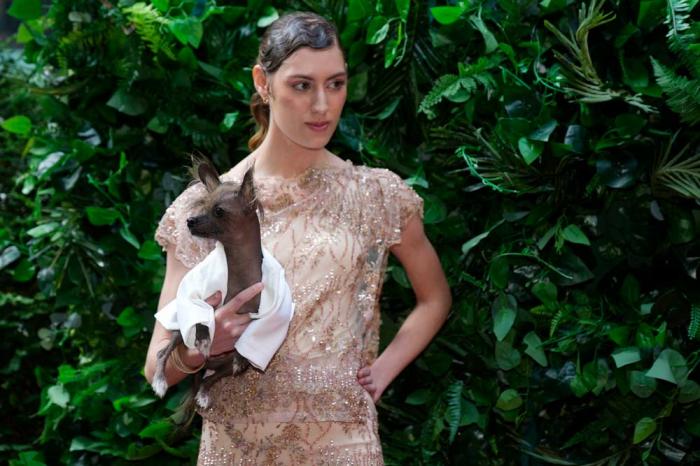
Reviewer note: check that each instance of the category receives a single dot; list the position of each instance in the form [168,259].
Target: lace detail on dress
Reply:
[331,229]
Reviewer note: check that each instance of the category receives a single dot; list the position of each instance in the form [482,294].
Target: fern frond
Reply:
[680,35]
[445,86]
[678,173]
[578,68]
[454,407]
[694,327]
[684,93]
[555,322]
[149,23]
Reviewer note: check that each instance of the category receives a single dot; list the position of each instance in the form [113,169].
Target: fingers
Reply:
[240,299]
[214,300]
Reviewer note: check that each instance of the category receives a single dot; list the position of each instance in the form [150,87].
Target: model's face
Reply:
[307,94]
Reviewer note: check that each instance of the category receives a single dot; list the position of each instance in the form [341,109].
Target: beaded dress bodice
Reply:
[331,229]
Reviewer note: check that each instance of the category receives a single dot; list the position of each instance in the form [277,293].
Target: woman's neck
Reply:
[278,156]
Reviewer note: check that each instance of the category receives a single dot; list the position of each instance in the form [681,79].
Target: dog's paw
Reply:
[202,399]
[160,386]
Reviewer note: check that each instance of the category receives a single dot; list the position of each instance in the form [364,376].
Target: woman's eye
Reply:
[218,212]
[337,84]
[302,86]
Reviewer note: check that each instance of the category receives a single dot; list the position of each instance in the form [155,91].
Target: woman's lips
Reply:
[320,126]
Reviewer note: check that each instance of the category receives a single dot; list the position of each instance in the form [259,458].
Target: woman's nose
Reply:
[320,103]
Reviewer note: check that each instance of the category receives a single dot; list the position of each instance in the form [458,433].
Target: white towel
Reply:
[265,334]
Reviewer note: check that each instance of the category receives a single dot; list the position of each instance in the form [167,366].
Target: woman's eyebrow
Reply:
[310,78]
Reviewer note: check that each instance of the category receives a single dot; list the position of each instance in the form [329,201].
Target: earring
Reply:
[266,100]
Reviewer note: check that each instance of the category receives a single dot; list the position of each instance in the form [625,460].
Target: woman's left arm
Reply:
[433,301]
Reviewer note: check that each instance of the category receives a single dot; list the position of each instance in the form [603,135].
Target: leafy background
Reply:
[555,144]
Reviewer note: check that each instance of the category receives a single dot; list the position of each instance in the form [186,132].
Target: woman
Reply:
[331,225]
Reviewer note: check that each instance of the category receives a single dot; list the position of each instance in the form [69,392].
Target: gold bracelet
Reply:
[180,365]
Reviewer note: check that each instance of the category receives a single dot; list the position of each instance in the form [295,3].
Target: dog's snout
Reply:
[192,221]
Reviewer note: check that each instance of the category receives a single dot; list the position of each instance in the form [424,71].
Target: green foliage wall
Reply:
[555,144]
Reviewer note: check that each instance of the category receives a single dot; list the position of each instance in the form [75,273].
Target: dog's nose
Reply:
[192,221]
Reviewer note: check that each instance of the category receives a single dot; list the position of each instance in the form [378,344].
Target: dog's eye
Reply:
[218,212]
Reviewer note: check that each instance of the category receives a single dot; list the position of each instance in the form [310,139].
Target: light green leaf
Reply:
[150,250]
[543,132]
[129,236]
[447,14]
[127,103]
[377,30]
[8,256]
[574,234]
[504,311]
[509,400]
[534,348]
[159,429]
[269,16]
[669,366]
[43,229]
[188,30]
[18,124]
[643,429]
[58,395]
[359,10]
[625,356]
[547,293]
[530,150]
[490,41]
[419,397]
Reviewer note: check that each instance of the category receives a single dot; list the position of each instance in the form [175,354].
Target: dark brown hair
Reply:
[282,38]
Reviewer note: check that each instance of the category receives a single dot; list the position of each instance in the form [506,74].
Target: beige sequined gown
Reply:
[331,229]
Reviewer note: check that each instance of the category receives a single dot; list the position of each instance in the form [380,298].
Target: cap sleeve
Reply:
[172,229]
[400,203]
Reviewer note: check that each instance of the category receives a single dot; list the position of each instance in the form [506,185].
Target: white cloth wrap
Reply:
[265,334]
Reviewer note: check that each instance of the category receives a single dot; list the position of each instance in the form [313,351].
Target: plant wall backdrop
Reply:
[555,144]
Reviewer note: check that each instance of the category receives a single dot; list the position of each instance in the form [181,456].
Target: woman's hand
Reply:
[229,325]
[371,380]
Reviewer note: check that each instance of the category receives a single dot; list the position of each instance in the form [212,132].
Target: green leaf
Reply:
[547,293]
[574,234]
[18,124]
[25,9]
[101,215]
[129,236]
[507,357]
[470,415]
[534,348]
[530,150]
[158,429]
[359,10]
[24,271]
[43,230]
[269,16]
[127,103]
[689,392]
[490,41]
[419,397]
[58,395]
[643,429]
[499,271]
[669,366]
[625,356]
[228,121]
[29,458]
[377,30]
[188,31]
[641,385]
[509,400]
[466,247]
[447,14]
[543,132]
[453,413]
[504,311]
[403,6]
[150,251]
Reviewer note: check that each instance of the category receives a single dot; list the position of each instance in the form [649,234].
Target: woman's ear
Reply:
[260,81]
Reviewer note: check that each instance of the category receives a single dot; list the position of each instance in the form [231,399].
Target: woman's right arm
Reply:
[228,323]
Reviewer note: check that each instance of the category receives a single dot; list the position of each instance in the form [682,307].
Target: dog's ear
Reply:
[208,175]
[248,189]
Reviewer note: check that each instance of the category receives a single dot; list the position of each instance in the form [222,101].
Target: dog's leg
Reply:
[202,339]
[160,385]
[224,366]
